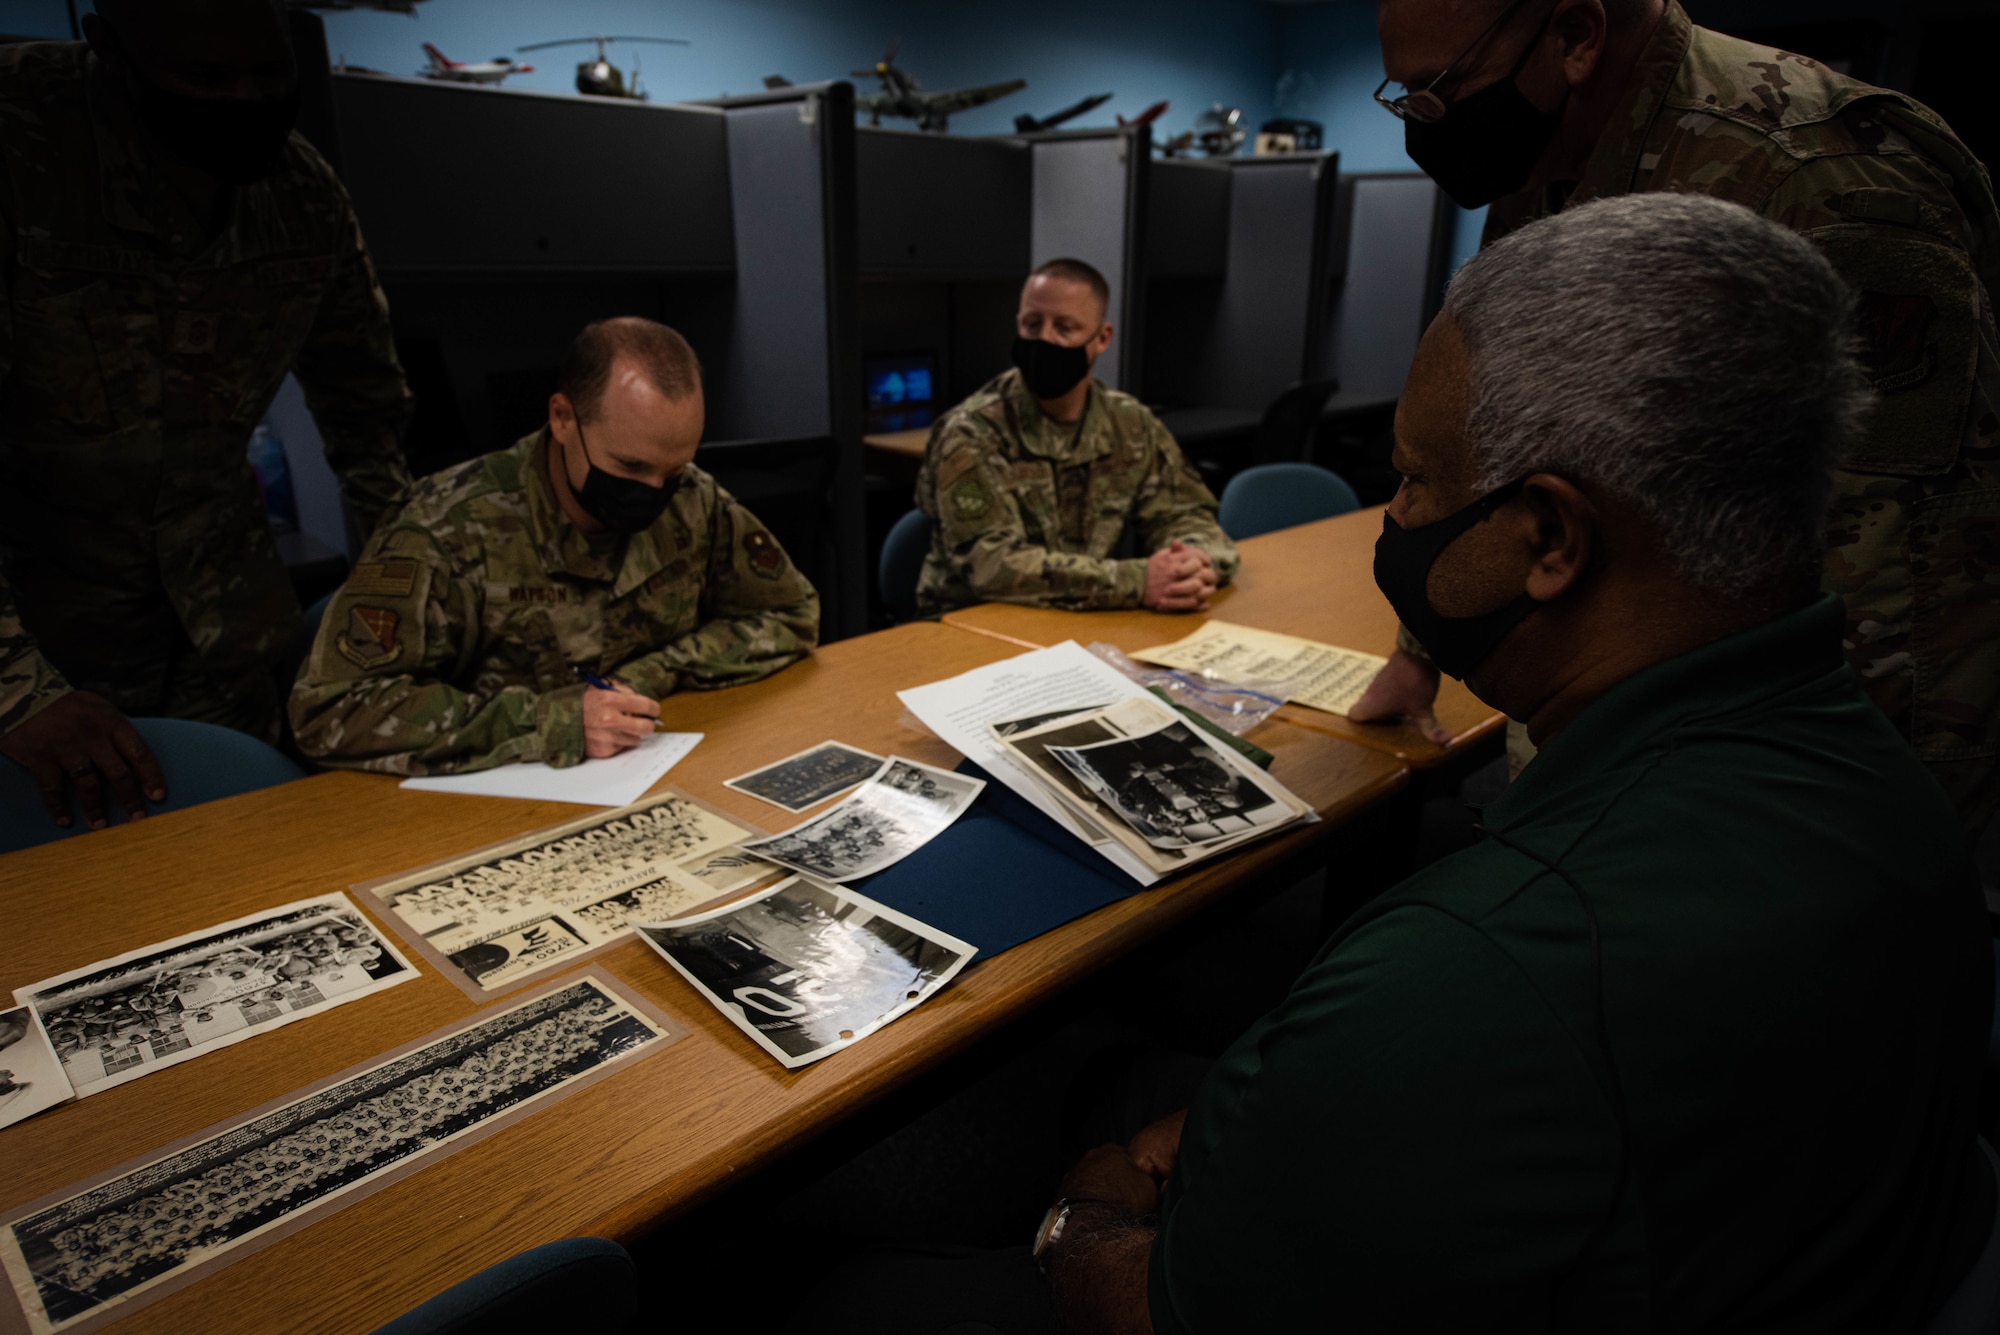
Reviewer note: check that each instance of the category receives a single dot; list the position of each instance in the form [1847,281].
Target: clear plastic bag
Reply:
[1234,708]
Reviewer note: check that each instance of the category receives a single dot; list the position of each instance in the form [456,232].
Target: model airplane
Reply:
[443,67]
[903,96]
[1175,146]
[1036,125]
[601,78]
[1148,116]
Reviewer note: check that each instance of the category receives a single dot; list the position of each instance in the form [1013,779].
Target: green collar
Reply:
[1639,717]
[1064,443]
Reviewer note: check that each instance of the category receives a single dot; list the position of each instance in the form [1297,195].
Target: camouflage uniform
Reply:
[1907,216]
[1029,510]
[136,358]
[452,645]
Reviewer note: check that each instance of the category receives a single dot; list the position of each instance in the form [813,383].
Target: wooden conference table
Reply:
[1315,581]
[651,1141]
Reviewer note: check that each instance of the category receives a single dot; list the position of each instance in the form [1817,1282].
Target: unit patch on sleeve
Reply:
[369,642]
[764,554]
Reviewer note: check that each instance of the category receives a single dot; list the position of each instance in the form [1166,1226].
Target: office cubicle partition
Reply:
[502,220]
[1391,256]
[1088,202]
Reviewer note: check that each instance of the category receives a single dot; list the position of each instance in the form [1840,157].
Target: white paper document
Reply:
[615,781]
[1054,681]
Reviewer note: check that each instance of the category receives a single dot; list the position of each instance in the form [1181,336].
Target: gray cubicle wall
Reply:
[1237,257]
[502,220]
[1088,202]
[1386,278]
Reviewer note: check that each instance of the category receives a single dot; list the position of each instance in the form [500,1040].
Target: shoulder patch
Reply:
[969,499]
[369,641]
[383,579]
[765,556]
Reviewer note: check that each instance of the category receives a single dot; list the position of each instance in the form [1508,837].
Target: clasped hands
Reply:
[1179,578]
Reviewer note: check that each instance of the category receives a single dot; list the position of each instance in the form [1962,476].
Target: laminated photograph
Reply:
[809,778]
[31,1075]
[806,969]
[93,1253]
[500,915]
[161,1005]
[902,808]
[1153,781]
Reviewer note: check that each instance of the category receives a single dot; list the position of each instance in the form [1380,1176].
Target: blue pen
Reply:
[592,679]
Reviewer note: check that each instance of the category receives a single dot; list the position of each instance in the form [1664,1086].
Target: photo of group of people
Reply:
[31,1078]
[109,1244]
[900,809]
[114,1021]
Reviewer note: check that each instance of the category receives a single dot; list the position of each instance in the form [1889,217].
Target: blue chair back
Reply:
[1974,1306]
[200,761]
[581,1285]
[1274,496]
[903,553]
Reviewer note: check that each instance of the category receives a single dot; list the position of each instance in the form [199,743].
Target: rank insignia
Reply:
[766,557]
[194,331]
[369,642]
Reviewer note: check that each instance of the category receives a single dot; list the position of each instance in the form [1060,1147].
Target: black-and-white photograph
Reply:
[592,874]
[31,1076]
[901,809]
[110,1243]
[1014,727]
[1172,787]
[809,778]
[161,1005]
[729,870]
[806,969]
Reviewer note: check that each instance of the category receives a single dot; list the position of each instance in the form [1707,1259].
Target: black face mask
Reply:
[1486,146]
[619,503]
[238,141]
[1049,370]
[1403,561]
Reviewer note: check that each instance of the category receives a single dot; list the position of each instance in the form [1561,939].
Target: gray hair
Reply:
[1686,355]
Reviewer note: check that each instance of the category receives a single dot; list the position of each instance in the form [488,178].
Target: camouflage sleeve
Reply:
[1174,502]
[983,534]
[379,690]
[759,614]
[1917,499]
[354,384]
[28,682]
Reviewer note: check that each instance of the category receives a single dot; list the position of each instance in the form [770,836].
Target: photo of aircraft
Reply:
[444,68]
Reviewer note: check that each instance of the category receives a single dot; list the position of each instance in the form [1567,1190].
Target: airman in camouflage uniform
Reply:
[1030,510]
[455,643]
[140,345]
[1906,214]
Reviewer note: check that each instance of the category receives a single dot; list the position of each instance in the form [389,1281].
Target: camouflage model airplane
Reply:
[903,96]
[1038,124]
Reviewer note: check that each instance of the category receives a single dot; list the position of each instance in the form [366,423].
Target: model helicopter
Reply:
[903,96]
[1038,124]
[1148,116]
[447,70]
[601,78]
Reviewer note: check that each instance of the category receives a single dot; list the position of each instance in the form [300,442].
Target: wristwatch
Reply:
[1051,1229]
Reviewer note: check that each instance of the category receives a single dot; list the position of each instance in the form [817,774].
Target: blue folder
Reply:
[1003,873]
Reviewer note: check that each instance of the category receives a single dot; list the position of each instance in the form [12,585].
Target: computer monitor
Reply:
[902,391]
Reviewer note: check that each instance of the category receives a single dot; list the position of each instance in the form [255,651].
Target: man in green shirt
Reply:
[469,631]
[1033,483]
[1692,1039]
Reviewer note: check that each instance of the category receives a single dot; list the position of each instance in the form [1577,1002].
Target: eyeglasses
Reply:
[1424,105]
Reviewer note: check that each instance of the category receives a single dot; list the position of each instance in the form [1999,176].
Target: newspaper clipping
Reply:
[807,969]
[105,1247]
[1306,672]
[504,914]
[157,1007]
[895,813]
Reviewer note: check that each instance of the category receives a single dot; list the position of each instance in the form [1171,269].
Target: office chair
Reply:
[1274,496]
[200,762]
[583,1285]
[1286,433]
[903,553]
[1974,1306]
